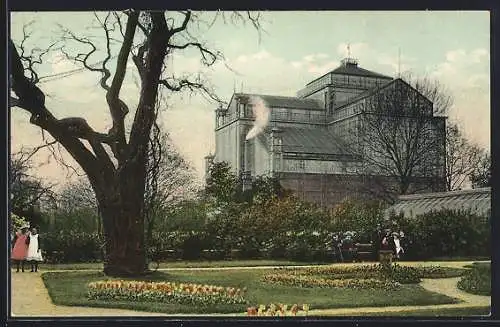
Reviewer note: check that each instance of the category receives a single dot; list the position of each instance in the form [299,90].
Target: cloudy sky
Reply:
[296,47]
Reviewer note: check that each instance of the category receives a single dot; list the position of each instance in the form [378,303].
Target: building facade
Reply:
[323,145]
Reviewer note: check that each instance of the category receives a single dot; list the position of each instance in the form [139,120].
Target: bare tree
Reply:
[27,191]
[462,158]
[169,179]
[77,194]
[114,163]
[401,133]
[481,176]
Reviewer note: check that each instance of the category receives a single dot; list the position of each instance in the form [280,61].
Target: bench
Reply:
[364,252]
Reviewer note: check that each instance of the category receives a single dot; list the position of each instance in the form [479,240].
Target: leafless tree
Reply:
[462,158]
[114,163]
[481,176]
[28,192]
[76,195]
[401,134]
[169,179]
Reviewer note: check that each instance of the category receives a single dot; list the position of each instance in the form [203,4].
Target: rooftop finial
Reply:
[349,60]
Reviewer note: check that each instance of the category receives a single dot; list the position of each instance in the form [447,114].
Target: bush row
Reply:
[289,229]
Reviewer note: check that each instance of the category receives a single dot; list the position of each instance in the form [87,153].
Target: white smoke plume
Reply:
[261,112]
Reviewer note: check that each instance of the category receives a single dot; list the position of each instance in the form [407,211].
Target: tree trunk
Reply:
[122,209]
[124,240]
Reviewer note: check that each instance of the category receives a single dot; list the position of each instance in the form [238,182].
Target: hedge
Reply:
[289,229]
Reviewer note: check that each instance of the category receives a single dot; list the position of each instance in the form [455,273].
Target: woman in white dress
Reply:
[397,243]
[34,255]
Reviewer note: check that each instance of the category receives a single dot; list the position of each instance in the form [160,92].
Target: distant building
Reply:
[477,201]
[309,143]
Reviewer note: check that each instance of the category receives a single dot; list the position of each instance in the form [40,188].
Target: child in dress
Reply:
[34,255]
[20,248]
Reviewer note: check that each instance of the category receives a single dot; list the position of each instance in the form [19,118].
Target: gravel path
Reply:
[30,298]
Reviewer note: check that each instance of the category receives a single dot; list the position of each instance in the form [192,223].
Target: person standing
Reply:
[20,248]
[385,243]
[337,248]
[397,245]
[34,255]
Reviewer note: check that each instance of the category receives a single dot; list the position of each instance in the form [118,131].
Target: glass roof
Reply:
[477,200]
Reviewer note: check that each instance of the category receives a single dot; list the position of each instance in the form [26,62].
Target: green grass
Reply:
[450,312]
[69,288]
[471,258]
[181,264]
[477,280]
[479,264]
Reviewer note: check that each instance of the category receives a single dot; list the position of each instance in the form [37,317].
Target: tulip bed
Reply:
[374,270]
[278,310]
[312,281]
[182,293]
[358,277]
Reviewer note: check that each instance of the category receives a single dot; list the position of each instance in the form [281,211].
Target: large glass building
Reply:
[349,133]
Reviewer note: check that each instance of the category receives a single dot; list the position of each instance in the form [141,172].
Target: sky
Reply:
[294,48]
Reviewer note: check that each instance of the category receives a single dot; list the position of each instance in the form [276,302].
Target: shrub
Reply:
[17,222]
[477,280]
[164,292]
[71,246]
[446,233]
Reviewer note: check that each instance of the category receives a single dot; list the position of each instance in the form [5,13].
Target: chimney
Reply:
[276,147]
[247,172]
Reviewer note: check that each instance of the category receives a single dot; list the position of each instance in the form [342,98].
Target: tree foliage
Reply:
[221,183]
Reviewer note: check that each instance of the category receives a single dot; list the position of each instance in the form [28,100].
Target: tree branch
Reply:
[32,99]
[117,107]
[84,57]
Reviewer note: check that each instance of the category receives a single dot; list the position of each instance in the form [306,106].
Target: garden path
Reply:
[30,298]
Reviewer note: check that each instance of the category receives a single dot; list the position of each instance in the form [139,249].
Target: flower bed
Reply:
[277,310]
[314,281]
[364,276]
[439,272]
[165,292]
[401,274]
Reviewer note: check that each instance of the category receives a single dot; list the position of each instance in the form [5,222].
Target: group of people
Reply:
[26,249]
[392,241]
[382,240]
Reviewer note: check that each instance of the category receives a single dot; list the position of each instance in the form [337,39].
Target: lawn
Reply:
[181,264]
[69,288]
